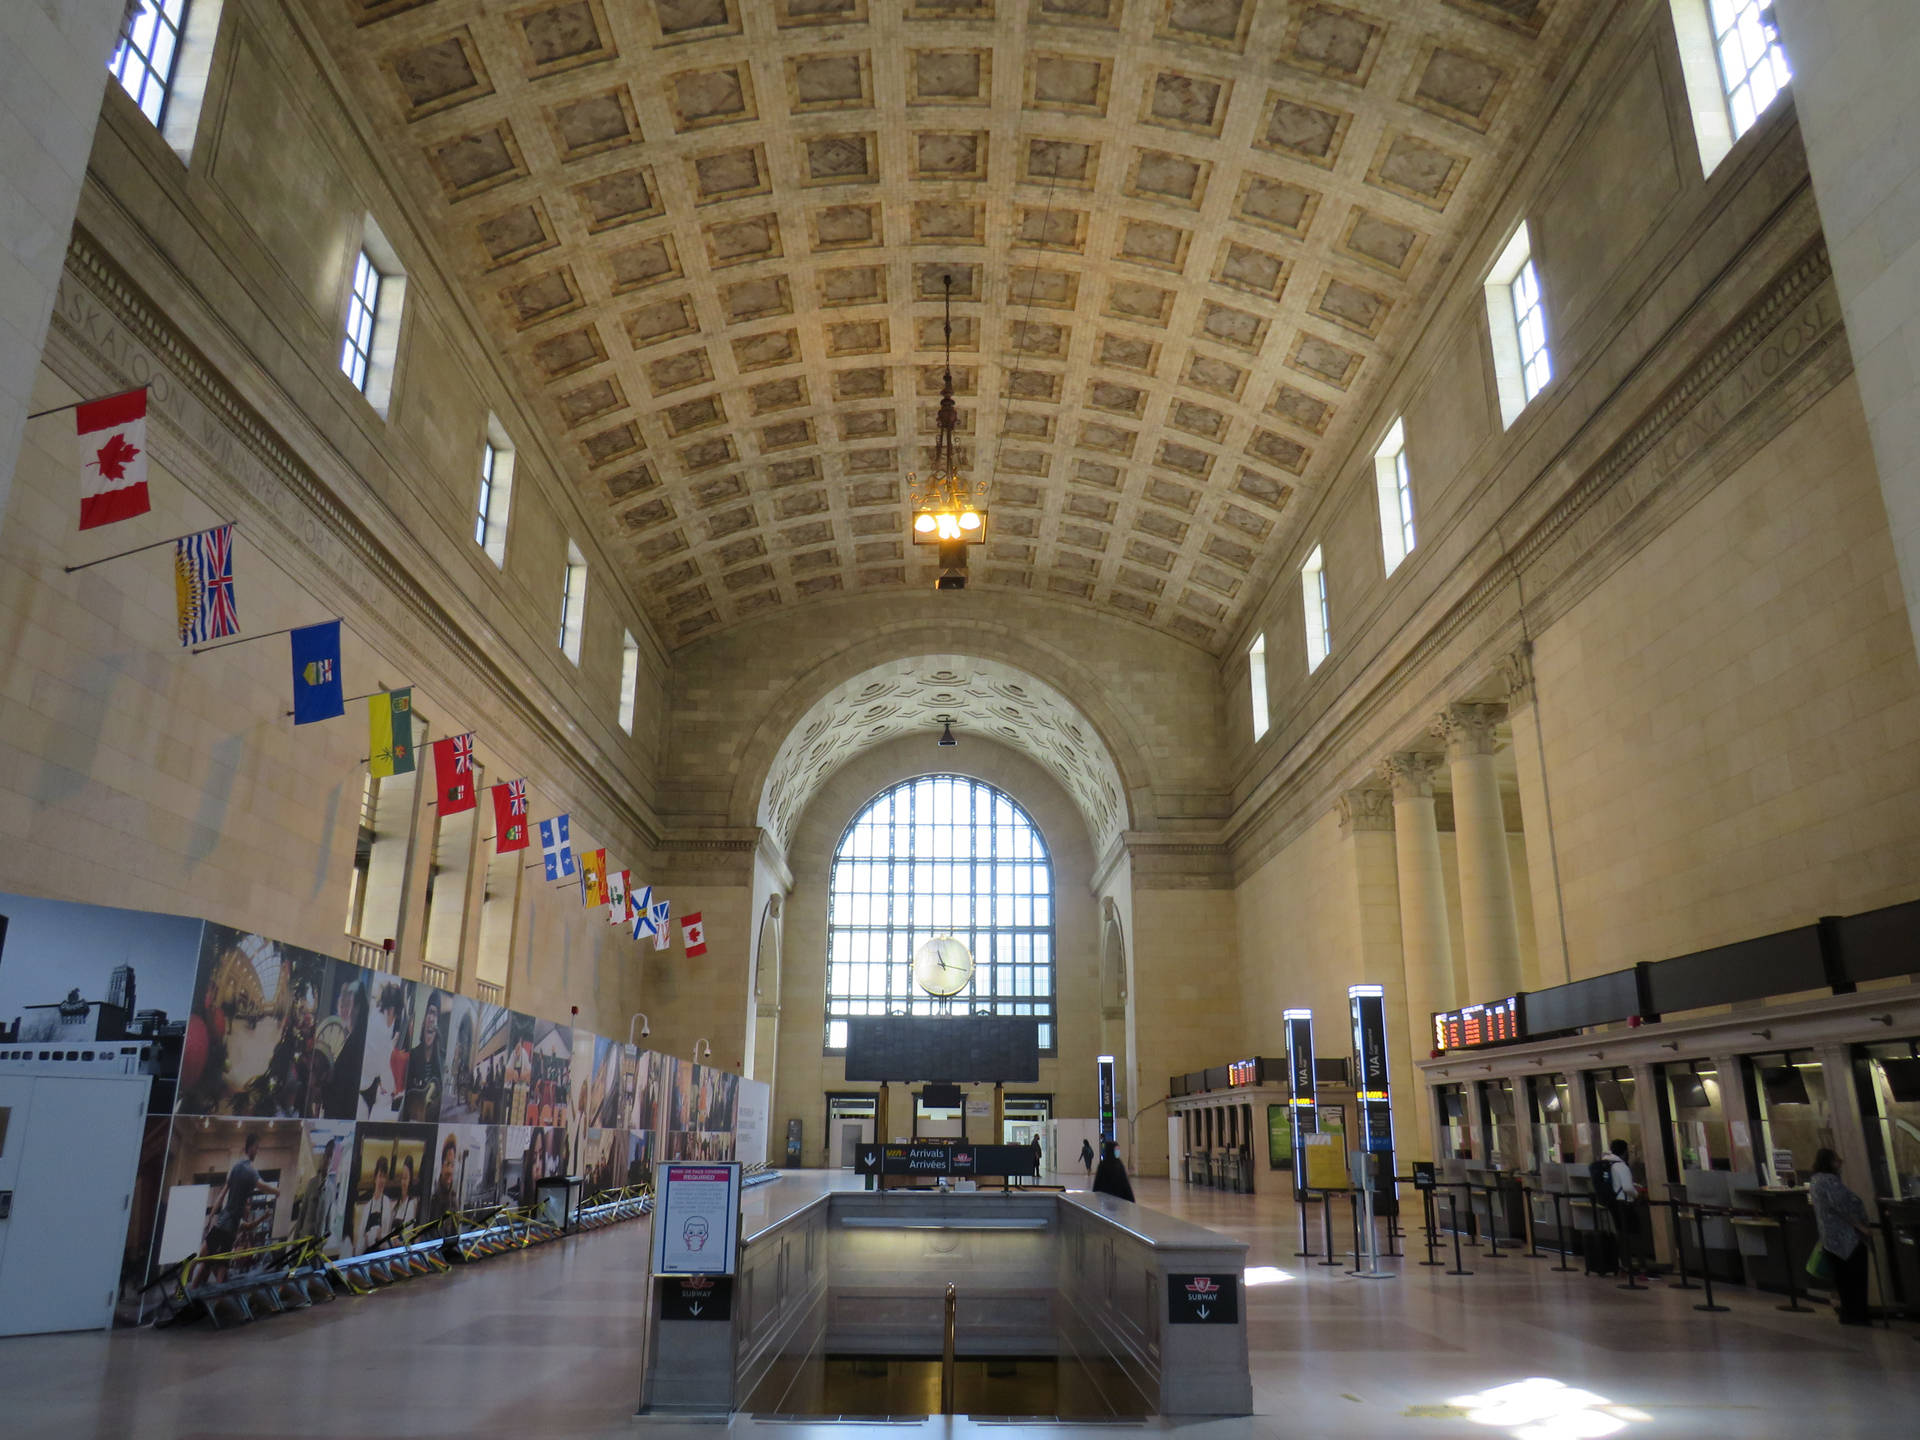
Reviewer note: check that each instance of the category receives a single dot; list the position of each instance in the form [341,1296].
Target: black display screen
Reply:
[957,1048]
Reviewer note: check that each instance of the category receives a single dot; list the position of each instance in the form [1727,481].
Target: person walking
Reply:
[1111,1177]
[1086,1156]
[1841,1218]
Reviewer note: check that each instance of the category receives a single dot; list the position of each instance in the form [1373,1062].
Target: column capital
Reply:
[1516,671]
[1410,774]
[1468,729]
[1367,807]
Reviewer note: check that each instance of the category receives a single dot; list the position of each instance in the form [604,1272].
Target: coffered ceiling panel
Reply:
[1185,238]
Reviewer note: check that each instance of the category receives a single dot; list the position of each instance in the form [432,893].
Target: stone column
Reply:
[1536,819]
[1366,824]
[1487,918]
[1426,946]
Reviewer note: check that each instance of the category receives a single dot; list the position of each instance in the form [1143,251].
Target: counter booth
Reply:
[1724,1074]
[1227,1125]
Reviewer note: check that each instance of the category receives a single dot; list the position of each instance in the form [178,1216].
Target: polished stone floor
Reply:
[545,1344]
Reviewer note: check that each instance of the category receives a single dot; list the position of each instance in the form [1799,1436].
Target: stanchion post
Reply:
[1453,1215]
[1706,1269]
[1305,1252]
[1493,1225]
[1680,1250]
[1533,1231]
[1326,1227]
[1560,1233]
[1793,1305]
[1625,1244]
[1426,1197]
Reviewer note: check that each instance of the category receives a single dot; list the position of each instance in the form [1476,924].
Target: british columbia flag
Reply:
[203,585]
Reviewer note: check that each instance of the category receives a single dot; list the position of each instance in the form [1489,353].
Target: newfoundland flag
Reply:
[316,673]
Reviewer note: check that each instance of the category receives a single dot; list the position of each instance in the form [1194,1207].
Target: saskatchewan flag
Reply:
[390,726]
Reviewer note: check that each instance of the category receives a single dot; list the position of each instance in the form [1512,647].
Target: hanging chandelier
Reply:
[948,510]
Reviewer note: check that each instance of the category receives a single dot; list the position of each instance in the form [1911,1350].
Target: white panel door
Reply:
[71,1150]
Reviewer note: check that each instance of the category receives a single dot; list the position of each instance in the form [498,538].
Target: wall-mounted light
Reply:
[702,1047]
[640,1019]
[946,731]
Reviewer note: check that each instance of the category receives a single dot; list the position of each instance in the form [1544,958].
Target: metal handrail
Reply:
[946,1353]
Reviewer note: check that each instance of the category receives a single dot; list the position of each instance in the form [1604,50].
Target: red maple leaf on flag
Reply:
[114,456]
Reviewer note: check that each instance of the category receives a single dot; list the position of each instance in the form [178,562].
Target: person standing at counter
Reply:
[1842,1221]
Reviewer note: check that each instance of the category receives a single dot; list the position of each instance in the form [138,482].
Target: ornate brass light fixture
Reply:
[948,510]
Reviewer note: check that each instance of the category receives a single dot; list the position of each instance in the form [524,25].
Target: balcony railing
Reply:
[493,994]
[372,954]
[437,975]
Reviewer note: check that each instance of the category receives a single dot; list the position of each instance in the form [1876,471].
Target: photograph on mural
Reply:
[90,972]
[339,1044]
[462,1096]
[426,1056]
[249,1047]
[603,1160]
[602,1109]
[639,1157]
[392,1177]
[632,1064]
[533,1153]
[383,1063]
[321,1182]
[653,1076]
[230,1187]
[488,1081]
[547,1098]
[676,1095]
[472,1174]
[518,1081]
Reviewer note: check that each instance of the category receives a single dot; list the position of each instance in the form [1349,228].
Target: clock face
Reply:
[942,966]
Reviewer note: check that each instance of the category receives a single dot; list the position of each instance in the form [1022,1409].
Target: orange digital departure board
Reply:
[1472,1026]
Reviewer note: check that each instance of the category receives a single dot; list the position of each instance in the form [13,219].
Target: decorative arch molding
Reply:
[1063,722]
[1113,958]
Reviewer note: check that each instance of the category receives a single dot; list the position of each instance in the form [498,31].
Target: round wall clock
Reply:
[942,966]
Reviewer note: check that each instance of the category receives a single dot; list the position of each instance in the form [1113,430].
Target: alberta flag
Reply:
[203,585]
[113,459]
[316,673]
[640,911]
[556,847]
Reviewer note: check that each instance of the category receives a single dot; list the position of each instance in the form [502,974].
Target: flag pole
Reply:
[349,699]
[138,549]
[78,403]
[228,644]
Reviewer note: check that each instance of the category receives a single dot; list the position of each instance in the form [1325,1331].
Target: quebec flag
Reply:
[556,847]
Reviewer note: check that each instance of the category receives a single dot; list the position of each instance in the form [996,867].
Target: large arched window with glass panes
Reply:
[940,855]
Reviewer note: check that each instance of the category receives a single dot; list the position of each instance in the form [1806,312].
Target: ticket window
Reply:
[1888,1078]
[1456,1132]
[1501,1125]
[1696,1115]
[1789,1091]
[1616,1116]
[1550,1100]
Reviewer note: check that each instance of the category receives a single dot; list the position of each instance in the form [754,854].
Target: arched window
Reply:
[940,855]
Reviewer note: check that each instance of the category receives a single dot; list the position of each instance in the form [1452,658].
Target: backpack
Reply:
[1600,1178]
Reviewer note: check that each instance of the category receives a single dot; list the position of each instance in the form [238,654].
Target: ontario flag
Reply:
[453,774]
[510,817]
[113,458]
[617,881]
[693,934]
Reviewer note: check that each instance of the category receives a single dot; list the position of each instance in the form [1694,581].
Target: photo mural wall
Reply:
[317,1097]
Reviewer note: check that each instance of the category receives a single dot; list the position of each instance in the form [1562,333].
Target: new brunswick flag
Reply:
[593,877]
[390,732]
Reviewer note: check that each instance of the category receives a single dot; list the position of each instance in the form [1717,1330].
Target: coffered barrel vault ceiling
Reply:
[1185,238]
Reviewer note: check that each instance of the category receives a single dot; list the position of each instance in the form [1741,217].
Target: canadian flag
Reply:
[113,458]
[693,934]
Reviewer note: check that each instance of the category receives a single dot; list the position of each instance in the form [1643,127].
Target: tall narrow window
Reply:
[1517,323]
[371,344]
[1393,478]
[629,678]
[1753,67]
[147,54]
[363,305]
[940,855]
[495,493]
[1319,618]
[573,602]
[1257,681]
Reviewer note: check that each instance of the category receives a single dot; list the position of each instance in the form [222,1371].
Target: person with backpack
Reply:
[1615,1195]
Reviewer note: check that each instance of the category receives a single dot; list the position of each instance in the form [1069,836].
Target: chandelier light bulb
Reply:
[969,521]
[923,523]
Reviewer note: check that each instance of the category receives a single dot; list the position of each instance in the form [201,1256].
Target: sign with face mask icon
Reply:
[696,1223]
